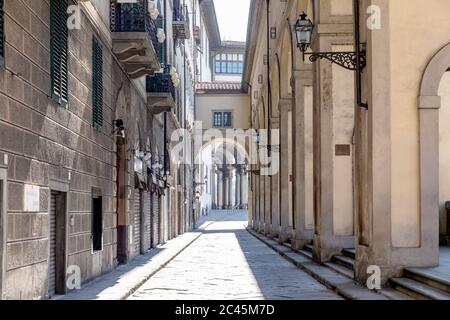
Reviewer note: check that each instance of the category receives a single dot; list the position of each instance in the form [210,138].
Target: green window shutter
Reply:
[161,46]
[59,52]
[97,84]
[2,34]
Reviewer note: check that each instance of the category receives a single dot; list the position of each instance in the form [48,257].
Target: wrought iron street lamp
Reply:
[304,28]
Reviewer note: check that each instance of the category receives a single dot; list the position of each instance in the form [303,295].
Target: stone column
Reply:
[219,189]
[275,210]
[230,187]
[226,195]
[261,201]
[238,187]
[302,157]
[286,229]
[245,189]
[333,117]
[213,188]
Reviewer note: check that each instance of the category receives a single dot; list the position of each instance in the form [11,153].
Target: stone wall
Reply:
[46,143]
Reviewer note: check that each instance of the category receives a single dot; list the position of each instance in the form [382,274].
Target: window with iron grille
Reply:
[59,33]
[222,119]
[97,84]
[217,119]
[227,119]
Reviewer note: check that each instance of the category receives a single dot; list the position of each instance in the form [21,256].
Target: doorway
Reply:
[57,243]
[444,159]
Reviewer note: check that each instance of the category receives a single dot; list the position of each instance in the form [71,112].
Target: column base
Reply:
[302,238]
[275,232]
[362,263]
[325,247]
[267,228]
[285,234]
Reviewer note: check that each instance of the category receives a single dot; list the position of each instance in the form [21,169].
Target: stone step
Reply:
[393,294]
[351,253]
[340,269]
[306,253]
[344,261]
[424,276]
[308,247]
[418,290]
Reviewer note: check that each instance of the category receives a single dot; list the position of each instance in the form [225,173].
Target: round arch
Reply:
[242,153]
[429,103]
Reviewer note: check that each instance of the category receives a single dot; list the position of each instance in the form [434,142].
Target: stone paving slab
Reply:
[331,279]
[125,279]
[227,263]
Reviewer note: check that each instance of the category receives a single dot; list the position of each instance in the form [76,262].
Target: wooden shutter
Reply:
[59,52]
[97,84]
[2,34]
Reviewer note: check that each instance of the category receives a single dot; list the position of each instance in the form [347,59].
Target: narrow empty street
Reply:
[226,262]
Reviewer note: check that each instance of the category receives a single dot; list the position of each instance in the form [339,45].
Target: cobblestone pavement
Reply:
[225,263]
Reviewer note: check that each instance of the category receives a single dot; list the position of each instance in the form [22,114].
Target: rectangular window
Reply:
[59,51]
[229,67]
[222,119]
[241,67]
[227,119]
[97,84]
[97,222]
[217,119]
[229,63]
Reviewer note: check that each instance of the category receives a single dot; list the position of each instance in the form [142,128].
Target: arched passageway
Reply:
[222,176]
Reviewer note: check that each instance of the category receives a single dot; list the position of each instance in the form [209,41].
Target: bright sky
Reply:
[233,17]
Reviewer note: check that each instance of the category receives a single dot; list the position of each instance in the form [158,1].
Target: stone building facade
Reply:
[85,179]
[363,156]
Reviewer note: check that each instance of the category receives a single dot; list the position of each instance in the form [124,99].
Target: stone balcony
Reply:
[134,38]
[160,92]
[180,24]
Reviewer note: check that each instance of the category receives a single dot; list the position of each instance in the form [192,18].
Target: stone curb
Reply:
[342,285]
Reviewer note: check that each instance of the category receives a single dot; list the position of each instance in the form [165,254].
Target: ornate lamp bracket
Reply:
[347,60]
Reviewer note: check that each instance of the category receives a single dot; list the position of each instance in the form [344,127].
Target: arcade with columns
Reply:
[364,157]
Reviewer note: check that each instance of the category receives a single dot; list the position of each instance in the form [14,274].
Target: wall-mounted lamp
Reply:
[304,28]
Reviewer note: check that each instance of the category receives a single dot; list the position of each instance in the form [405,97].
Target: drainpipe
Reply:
[166,57]
[184,127]
[269,94]
[356,13]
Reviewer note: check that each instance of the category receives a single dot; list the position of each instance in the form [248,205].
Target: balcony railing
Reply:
[134,17]
[161,83]
[181,23]
[181,14]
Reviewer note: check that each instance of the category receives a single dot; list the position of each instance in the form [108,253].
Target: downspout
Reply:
[356,17]
[194,57]
[184,127]
[166,56]
[269,94]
